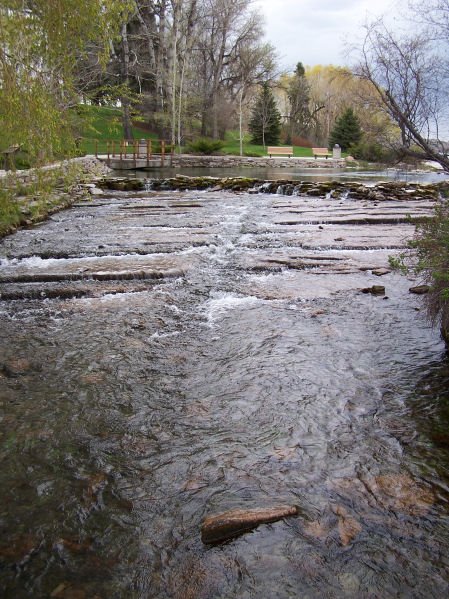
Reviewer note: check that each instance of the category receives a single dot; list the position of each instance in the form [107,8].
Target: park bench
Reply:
[321,152]
[8,155]
[280,151]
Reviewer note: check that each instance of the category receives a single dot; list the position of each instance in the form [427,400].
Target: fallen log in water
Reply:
[235,522]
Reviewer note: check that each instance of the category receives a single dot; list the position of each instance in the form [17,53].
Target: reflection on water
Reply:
[240,367]
[294,174]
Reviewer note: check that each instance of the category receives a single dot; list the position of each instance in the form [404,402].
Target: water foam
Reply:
[221,303]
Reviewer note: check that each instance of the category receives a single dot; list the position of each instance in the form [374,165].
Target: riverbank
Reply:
[32,195]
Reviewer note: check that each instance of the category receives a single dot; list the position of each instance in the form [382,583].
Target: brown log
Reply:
[235,522]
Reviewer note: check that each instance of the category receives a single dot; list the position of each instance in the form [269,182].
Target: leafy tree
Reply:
[346,131]
[42,42]
[265,123]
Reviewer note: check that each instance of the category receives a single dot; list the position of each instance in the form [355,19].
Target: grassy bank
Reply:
[102,124]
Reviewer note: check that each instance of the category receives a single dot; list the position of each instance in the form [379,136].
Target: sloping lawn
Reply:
[103,124]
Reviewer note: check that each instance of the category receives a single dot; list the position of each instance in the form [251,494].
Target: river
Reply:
[167,356]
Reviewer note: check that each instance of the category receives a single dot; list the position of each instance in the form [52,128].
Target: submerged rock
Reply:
[348,526]
[379,272]
[227,525]
[420,289]
[375,290]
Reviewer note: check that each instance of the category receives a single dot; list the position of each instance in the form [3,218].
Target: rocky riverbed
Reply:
[381,191]
[209,362]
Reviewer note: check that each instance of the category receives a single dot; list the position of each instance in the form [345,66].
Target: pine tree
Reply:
[346,131]
[265,123]
[298,93]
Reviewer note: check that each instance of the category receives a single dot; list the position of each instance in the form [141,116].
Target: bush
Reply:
[253,154]
[371,152]
[298,140]
[9,211]
[430,259]
[205,146]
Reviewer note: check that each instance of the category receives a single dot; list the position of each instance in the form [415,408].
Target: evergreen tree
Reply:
[265,123]
[299,98]
[346,131]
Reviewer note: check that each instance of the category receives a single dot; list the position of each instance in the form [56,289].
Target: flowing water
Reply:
[167,356]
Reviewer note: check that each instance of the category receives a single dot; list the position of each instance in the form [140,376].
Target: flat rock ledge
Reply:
[332,189]
[227,525]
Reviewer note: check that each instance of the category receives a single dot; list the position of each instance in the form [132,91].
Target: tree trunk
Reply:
[126,108]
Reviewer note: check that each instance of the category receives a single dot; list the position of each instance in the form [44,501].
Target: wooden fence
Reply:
[143,149]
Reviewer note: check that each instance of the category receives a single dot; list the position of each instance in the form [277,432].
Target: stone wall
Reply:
[89,167]
[190,161]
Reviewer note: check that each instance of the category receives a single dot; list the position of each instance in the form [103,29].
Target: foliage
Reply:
[346,131]
[429,258]
[42,42]
[205,146]
[298,93]
[371,152]
[265,123]
[45,191]
[9,211]
[297,140]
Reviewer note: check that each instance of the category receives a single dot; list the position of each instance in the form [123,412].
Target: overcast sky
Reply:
[315,31]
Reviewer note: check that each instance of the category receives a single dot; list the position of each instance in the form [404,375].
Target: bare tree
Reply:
[228,41]
[410,79]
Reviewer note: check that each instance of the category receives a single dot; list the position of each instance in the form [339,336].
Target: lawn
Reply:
[232,146]
[101,124]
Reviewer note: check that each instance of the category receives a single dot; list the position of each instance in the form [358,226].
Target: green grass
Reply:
[101,123]
[232,146]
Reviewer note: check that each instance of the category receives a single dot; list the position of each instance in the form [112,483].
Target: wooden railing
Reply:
[143,149]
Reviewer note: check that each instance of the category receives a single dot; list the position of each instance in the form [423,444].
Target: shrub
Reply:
[298,140]
[371,152]
[9,211]
[205,146]
[253,154]
[430,259]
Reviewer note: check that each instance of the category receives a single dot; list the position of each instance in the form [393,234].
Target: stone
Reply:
[379,272]
[349,582]
[374,290]
[401,493]
[227,525]
[420,289]
[348,527]
[94,191]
